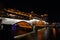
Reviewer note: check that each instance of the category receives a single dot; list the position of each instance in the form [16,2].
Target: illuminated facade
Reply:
[12,13]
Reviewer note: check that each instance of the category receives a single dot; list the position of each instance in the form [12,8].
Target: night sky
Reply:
[38,6]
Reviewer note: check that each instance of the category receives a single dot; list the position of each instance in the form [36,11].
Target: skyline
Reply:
[36,6]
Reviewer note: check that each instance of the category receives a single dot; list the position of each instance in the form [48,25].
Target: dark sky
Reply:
[44,6]
[27,5]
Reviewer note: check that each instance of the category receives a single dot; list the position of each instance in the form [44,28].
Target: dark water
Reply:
[6,34]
